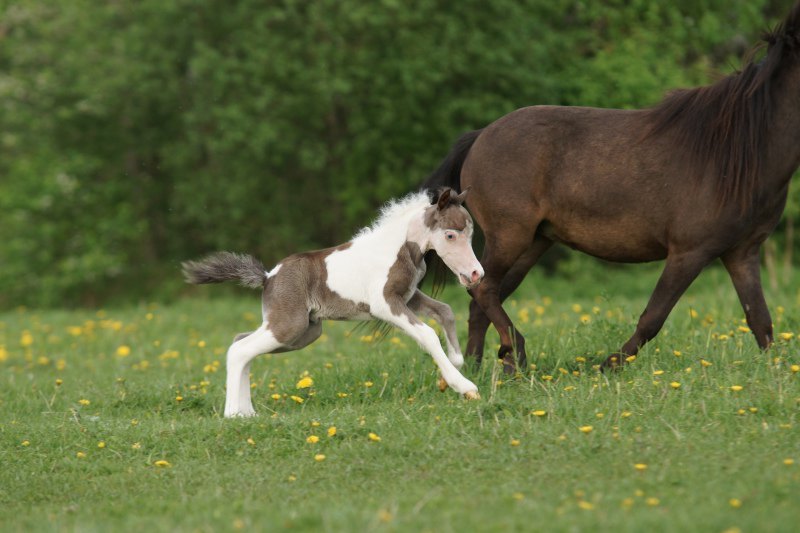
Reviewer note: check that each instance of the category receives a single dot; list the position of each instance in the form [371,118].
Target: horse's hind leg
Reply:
[503,249]
[478,321]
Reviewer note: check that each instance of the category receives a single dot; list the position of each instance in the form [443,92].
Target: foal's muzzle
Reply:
[471,281]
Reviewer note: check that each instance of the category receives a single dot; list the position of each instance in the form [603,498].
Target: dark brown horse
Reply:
[702,175]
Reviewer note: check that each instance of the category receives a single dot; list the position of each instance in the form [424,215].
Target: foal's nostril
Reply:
[476,276]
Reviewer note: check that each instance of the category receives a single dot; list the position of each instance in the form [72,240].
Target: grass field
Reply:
[111,420]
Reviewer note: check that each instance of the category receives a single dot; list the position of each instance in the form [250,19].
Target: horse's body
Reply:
[701,176]
[374,276]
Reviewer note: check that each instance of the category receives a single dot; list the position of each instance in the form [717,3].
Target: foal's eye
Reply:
[449,236]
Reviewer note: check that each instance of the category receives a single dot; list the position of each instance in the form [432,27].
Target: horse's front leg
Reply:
[744,268]
[678,274]
[399,315]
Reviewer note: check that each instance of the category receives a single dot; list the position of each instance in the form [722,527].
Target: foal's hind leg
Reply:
[240,355]
[478,321]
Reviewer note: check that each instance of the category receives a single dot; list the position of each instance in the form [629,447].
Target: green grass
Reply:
[442,464]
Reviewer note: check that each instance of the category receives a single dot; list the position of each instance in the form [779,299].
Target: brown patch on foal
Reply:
[402,278]
[292,309]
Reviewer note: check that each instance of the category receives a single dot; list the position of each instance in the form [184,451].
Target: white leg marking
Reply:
[240,354]
[426,337]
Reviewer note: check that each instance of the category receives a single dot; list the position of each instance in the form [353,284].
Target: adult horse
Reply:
[702,175]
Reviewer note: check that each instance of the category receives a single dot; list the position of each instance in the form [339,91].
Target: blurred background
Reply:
[136,134]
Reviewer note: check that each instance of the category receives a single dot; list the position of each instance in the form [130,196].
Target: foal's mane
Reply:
[725,124]
[396,209]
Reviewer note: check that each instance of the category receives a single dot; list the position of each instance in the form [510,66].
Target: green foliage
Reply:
[137,134]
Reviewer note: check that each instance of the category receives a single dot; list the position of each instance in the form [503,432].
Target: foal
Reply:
[373,276]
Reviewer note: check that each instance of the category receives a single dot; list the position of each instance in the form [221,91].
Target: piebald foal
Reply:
[374,276]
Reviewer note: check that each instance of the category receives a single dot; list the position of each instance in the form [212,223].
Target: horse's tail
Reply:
[449,172]
[226,266]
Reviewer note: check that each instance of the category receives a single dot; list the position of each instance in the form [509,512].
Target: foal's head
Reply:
[451,236]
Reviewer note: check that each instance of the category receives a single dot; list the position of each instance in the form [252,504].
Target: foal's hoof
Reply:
[442,384]
[472,395]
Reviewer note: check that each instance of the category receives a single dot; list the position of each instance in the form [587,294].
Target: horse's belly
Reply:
[609,243]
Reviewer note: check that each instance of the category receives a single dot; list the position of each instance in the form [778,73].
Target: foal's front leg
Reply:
[398,314]
[441,313]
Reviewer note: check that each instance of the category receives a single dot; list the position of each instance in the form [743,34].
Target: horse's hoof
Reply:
[472,395]
[442,384]
[613,362]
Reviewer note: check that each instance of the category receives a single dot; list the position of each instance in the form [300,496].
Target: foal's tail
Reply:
[449,172]
[226,266]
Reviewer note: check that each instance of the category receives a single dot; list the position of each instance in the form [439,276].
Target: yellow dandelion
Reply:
[736,388]
[795,369]
[342,394]
[735,503]
[547,378]
[161,463]
[26,339]
[84,401]
[539,413]
[743,329]
[576,308]
[291,478]
[312,439]
[515,442]
[741,412]
[625,414]
[179,398]
[276,396]
[585,319]
[658,372]
[586,506]
[101,444]
[705,363]
[298,399]
[753,409]
[675,385]
[786,336]
[518,496]
[628,502]
[586,429]
[641,467]
[630,359]
[305,383]
[374,437]
[250,441]
[136,446]
[123,351]
[676,353]
[368,384]
[599,415]
[319,457]
[80,455]
[652,501]
[788,461]
[59,381]
[26,443]
[332,431]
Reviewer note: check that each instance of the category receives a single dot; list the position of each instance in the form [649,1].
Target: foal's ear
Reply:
[444,199]
[459,199]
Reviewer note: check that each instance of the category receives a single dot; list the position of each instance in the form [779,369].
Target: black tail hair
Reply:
[447,175]
[449,172]
[226,266]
